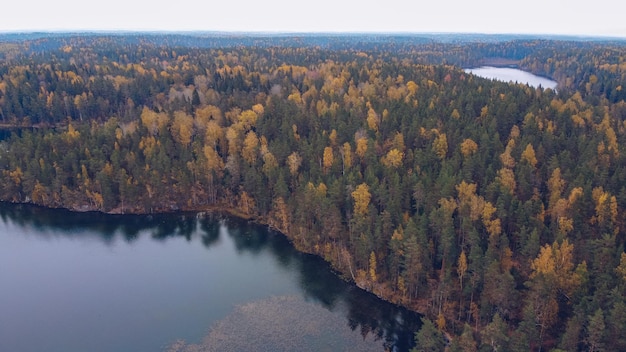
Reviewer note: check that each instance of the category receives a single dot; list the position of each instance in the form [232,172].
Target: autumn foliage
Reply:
[495,209]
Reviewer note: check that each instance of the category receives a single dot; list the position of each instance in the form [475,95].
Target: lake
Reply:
[507,74]
[176,283]
[5,133]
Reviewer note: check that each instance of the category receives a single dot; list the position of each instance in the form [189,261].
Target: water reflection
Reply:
[364,312]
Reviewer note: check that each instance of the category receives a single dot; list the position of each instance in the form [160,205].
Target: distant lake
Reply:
[506,74]
[178,283]
[5,133]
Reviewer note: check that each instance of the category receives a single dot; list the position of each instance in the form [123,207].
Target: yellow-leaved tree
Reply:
[440,146]
[328,159]
[153,121]
[214,160]
[373,119]
[362,197]
[372,266]
[553,275]
[556,261]
[529,156]
[468,147]
[182,128]
[208,113]
[393,159]
[346,156]
[250,148]
[294,160]
[361,147]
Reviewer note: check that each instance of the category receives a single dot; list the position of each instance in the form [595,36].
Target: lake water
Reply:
[507,74]
[4,133]
[176,282]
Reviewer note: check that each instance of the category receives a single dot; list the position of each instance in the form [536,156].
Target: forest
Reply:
[495,209]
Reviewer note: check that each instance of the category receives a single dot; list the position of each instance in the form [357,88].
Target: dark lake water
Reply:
[507,74]
[4,133]
[176,282]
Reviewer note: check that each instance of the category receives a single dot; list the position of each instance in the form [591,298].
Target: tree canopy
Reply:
[495,209]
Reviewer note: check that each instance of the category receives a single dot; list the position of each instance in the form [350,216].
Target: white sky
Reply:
[576,17]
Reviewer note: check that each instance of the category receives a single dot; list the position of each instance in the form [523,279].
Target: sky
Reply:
[569,17]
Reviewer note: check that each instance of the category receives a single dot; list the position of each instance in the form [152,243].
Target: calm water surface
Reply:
[507,74]
[94,282]
[5,133]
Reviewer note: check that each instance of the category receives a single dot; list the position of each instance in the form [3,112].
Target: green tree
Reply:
[495,335]
[428,338]
[596,331]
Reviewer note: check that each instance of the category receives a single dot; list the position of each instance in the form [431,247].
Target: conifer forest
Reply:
[495,209]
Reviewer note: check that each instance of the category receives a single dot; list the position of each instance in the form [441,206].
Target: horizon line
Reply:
[291,32]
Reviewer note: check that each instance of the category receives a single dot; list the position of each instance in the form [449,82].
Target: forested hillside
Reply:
[495,209]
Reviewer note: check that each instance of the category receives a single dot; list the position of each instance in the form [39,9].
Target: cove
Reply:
[507,74]
[176,282]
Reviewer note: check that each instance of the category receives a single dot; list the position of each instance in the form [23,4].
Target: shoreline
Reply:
[260,221]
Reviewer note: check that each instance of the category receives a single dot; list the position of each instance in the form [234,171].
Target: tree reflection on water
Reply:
[375,319]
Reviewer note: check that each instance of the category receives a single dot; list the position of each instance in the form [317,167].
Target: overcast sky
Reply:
[576,17]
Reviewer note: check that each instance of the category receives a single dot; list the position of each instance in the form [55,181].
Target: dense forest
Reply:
[495,209]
